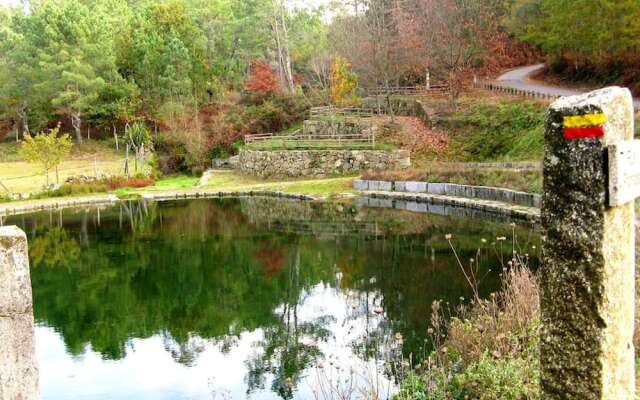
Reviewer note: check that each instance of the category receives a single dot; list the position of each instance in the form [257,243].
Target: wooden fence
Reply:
[359,112]
[365,139]
[497,87]
[407,90]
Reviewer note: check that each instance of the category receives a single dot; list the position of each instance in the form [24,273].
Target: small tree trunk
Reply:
[24,123]
[115,136]
[76,121]
[57,176]
[287,56]
[126,161]
[142,155]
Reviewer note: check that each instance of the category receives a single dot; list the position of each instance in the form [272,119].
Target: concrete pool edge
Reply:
[493,207]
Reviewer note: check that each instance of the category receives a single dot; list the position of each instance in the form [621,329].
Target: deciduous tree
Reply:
[47,149]
[343,83]
[262,78]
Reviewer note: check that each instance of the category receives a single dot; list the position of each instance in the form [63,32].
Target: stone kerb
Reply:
[18,368]
[588,269]
[456,190]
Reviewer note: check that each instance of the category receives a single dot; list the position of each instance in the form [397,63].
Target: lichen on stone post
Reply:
[587,276]
[18,368]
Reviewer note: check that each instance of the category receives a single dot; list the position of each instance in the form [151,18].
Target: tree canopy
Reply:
[103,62]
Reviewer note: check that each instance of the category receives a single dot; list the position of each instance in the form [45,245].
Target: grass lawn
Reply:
[20,176]
[175,182]
[231,181]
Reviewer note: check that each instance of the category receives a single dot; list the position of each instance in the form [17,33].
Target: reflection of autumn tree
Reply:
[53,247]
[272,260]
[289,346]
[351,265]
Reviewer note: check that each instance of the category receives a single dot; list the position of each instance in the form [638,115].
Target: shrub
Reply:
[124,182]
[498,379]
[96,186]
[172,154]
[73,189]
[197,171]
[413,387]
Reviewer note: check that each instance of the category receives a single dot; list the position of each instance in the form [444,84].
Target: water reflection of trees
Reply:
[205,271]
[290,346]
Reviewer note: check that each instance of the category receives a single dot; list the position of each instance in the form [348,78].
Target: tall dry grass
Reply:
[504,325]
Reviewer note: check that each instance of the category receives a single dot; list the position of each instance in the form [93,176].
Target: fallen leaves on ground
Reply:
[419,137]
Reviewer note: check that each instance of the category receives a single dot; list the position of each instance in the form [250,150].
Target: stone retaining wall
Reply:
[406,107]
[311,128]
[451,189]
[299,163]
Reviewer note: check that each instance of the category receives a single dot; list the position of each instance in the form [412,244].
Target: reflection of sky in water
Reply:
[149,372]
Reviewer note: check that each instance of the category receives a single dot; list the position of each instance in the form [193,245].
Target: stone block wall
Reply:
[317,163]
[451,189]
[407,107]
[321,127]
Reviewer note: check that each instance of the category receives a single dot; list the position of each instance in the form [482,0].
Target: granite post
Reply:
[18,369]
[588,268]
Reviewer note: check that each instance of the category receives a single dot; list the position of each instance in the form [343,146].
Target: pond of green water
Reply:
[245,298]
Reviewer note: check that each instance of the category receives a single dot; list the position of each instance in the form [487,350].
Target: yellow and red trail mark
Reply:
[584,126]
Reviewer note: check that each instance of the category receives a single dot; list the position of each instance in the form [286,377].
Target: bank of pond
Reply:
[255,298]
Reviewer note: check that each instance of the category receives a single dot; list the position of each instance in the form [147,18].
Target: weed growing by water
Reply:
[489,348]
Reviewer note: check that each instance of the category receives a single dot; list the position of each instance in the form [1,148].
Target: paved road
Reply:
[519,79]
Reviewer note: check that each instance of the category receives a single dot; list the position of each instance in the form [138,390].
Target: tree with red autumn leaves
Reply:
[263,78]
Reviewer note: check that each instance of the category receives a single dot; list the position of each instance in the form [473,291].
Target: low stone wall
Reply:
[316,163]
[406,107]
[320,127]
[451,189]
